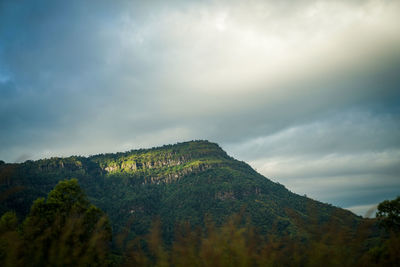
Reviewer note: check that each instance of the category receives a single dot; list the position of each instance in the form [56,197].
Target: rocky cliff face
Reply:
[158,165]
[135,164]
[165,168]
[55,164]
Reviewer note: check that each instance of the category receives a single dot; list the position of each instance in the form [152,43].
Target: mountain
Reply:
[187,182]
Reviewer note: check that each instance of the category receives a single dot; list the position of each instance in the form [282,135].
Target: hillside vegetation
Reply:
[182,182]
[181,199]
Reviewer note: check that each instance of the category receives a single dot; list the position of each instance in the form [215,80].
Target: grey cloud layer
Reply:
[350,159]
[273,82]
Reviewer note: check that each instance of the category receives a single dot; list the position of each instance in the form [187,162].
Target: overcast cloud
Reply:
[307,92]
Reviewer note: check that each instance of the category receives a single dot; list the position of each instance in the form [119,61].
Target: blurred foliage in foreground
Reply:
[237,243]
[66,230]
[62,230]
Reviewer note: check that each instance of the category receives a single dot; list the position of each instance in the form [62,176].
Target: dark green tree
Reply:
[10,240]
[389,214]
[66,230]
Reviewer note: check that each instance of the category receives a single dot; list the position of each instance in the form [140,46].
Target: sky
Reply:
[307,92]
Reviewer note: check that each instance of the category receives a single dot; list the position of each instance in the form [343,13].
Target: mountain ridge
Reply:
[182,182]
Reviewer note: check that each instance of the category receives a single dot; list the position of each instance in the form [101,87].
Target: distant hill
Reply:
[186,182]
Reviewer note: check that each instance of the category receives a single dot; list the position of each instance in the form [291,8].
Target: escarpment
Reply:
[146,166]
[162,165]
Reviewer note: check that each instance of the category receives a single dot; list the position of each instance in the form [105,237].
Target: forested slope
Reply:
[186,182]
